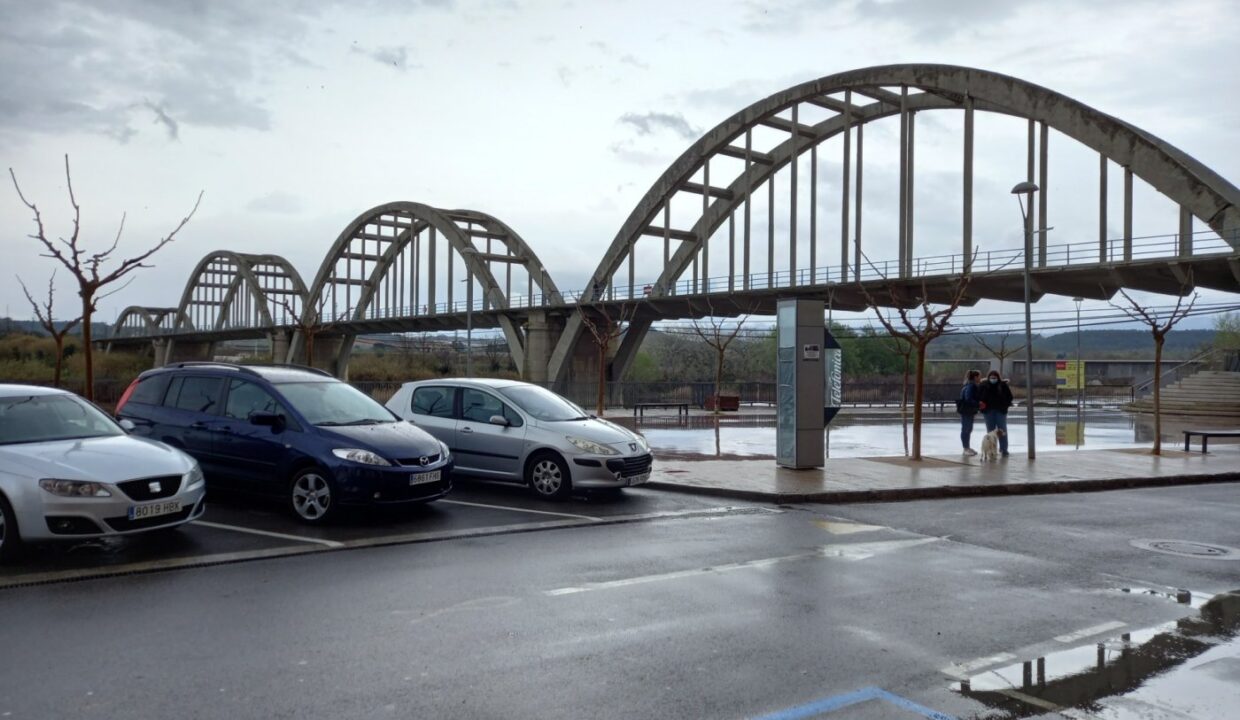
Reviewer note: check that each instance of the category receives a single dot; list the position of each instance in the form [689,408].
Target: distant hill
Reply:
[8,325]
[1098,344]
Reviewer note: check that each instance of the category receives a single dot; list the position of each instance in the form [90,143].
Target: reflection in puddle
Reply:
[752,435]
[1106,678]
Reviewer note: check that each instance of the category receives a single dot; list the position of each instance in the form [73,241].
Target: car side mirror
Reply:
[499,420]
[127,425]
[266,419]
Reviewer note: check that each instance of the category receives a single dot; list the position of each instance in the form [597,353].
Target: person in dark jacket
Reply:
[968,406]
[995,397]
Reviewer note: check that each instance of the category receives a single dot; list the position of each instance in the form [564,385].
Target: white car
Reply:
[68,471]
[515,431]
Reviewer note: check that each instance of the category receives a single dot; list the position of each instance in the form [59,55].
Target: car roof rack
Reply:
[211,363]
[249,369]
[292,366]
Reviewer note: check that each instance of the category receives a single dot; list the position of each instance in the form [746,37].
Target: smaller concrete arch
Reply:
[385,264]
[229,290]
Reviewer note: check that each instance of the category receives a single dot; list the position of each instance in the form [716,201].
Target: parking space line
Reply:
[1089,631]
[520,509]
[268,533]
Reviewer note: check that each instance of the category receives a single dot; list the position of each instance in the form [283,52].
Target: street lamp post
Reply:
[469,324]
[1028,188]
[1080,375]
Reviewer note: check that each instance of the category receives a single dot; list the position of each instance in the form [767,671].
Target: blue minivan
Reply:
[286,431]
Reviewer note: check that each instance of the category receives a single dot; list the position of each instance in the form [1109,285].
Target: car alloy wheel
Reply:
[548,476]
[312,496]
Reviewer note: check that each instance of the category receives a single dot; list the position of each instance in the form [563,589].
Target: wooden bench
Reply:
[639,409]
[1207,434]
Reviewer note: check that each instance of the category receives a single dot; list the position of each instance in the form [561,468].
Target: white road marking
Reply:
[1089,631]
[856,551]
[518,509]
[964,670]
[836,527]
[268,533]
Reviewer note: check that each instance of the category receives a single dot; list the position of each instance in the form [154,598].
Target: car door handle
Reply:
[467,429]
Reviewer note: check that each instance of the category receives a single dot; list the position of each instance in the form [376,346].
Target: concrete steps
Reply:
[1209,393]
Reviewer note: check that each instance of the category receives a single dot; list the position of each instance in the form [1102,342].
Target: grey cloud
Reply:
[397,56]
[634,61]
[275,202]
[565,74]
[79,66]
[648,123]
[163,118]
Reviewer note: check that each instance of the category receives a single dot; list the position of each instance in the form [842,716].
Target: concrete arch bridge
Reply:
[728,228]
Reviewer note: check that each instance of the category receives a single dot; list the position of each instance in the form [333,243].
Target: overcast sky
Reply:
[294,116]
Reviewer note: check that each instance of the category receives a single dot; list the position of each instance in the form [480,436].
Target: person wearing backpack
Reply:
[967,405]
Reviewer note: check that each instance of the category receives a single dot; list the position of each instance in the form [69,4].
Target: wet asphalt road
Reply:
[646,604]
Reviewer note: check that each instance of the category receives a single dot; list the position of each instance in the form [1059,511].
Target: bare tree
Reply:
[45,313]
[904,349]
[87,268]
[716,334]
[918,332]
[605,327]
[1160,325]
[309,329]
[1001,353]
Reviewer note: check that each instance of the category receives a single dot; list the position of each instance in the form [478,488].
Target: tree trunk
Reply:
[1158,346]
[918,394]
[309,348]
[88,353]
[718,377]
[602,379]
[904,404]
[60,356]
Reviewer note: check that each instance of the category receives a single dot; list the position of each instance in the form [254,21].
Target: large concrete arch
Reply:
[1196,188]
[408,220]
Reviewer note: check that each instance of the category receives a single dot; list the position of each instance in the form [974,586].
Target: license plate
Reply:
[139,512]
[423,478]
[639,479]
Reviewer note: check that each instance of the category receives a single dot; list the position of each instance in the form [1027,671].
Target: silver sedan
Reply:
[68,471]
[515,431]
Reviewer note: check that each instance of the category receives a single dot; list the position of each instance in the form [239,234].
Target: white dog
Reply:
[990,445]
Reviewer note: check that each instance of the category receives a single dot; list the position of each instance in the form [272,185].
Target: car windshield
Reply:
[334,403]
[542,404]
[45,418]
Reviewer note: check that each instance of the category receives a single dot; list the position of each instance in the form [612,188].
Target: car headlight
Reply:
[589,446]
[444,452]
[74,488]
[194,479]
[364,457]
[642,442]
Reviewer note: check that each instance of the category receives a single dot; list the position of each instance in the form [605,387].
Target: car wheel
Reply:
[10,539]
[547,475]
[312,495]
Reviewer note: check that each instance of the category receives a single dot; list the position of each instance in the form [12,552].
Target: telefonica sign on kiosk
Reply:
[810,383]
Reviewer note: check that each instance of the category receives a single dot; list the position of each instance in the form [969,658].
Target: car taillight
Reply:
[125,396]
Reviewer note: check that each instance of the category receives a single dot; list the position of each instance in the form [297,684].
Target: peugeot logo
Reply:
[632,446]
[424,460]
[154,486]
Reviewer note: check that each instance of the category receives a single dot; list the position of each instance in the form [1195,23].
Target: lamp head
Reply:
[1025,187]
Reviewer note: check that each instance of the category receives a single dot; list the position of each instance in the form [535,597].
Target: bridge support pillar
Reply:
[542,332]
[279,346]
[186,351]
[161,352]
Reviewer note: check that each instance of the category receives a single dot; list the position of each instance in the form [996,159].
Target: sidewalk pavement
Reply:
[879,479]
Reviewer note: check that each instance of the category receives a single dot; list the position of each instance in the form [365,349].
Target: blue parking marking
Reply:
[836,702]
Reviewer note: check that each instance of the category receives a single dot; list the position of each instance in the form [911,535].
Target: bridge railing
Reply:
[1081,253]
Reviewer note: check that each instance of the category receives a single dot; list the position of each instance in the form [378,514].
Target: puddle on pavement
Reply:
[1112,679]
[751,435]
